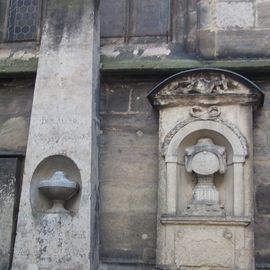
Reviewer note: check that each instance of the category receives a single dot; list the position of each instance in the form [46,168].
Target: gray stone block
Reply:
[127,158]
[240,43]
[234,15]
[139,101]
[205,15]
[118,98]
[263,199]
[260,137]
[128,237]
[263,18]
[127,198]
[261,171]
[135,266]
[207,44]
[148,123]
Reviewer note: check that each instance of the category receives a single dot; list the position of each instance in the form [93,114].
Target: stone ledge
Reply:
[141,66]
[173,65]
[185,220]
[18,66]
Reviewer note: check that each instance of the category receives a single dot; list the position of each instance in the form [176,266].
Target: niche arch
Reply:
[179,183]
[45,170]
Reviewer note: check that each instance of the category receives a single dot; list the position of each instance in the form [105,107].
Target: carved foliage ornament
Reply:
[202,84]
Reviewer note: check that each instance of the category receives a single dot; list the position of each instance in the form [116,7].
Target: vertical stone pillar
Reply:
[63,127]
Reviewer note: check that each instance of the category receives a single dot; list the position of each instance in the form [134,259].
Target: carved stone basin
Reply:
[58,189]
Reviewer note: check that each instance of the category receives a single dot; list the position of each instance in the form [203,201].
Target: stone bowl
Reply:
[58,189]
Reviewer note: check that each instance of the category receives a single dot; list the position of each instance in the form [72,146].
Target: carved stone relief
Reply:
[202,84]
[204,160]
[205,188]
[198,113]
[211,112]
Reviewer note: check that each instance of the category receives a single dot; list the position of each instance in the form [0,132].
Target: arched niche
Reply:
[179,183]
[45,170]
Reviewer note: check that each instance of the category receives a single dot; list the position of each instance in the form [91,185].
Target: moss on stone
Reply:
[17,66]
[171,65]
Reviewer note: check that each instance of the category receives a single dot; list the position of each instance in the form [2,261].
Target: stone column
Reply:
[63,126]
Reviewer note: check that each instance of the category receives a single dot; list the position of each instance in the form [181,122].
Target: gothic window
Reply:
[23,20]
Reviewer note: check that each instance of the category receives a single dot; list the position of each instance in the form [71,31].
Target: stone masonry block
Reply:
[118,98]
[129,159]
[241,43]
[263,10]
[148,123]
[139,101]
[134,266]
[263,199]
[235,15]
[205,14]
[207,44]
[260,137]
[126,198]
[128,237]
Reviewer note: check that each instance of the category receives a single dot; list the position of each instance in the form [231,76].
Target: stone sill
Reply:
[185,220]
[11,66]
[142,66]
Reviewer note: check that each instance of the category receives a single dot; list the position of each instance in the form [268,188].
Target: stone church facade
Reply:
[134,134]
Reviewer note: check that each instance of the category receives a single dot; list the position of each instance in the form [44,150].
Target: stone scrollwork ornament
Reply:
[204,159]
[205,113]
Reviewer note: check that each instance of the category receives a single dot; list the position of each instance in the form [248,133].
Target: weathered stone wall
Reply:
[15,107]
[209,29]
[262,180]
[129,165]
[238,28]
[129,173]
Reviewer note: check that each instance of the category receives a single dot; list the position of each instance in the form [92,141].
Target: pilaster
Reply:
[63,138]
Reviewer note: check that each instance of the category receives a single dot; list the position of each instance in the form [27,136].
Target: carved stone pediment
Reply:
[206,86]
[209,83]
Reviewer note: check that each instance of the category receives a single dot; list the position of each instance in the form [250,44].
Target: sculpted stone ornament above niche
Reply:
[205,87]
[204,160]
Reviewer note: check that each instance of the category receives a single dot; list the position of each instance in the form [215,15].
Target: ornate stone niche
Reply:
[55,187]
[205,202]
